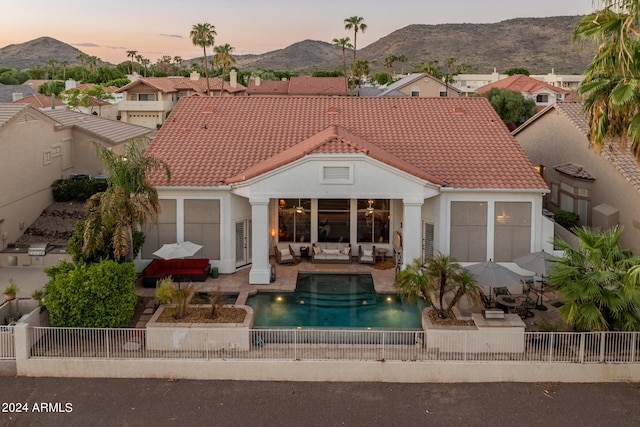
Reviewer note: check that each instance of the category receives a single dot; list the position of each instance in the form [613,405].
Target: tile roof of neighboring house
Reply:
[268,87]
[521,83]
[461,142]
[175,84]
[35,83]
[113,131]
[624,161]
[299,86]
[9,111]
[7,91]
[574,171]
[40,101]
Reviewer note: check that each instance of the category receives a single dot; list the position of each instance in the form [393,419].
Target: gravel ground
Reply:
[55,224]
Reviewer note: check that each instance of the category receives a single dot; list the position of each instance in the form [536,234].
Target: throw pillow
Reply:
[284,252]
[331,251]
[346,250]
[316,250]
[367,253]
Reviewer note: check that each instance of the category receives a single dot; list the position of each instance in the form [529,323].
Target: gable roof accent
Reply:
[392,89]
[574,171]
[521,83]
[332,140]
[11,111]
[471,148]
[112,131]
[40,101]
[623,161]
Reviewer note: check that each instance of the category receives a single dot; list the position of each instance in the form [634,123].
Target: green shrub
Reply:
[97,295]
[567,219]
[65,190]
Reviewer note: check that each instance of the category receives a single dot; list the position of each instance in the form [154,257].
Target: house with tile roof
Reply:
[418,175]
[39,147]
[298,86]
[420,84]
[542,93]
[43,102]
[603,188]
[148,100]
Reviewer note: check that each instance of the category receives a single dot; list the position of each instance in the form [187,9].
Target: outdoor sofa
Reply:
[180,270]
[331,253]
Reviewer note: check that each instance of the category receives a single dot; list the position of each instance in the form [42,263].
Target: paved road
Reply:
[157,402]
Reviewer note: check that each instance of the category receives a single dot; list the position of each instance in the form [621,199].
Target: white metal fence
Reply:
[7,347]
[316,344]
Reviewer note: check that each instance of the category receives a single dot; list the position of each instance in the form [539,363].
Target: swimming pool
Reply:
[332,300]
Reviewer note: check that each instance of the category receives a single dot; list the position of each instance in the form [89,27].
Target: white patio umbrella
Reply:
[177,250]
[489,275]
[539,263]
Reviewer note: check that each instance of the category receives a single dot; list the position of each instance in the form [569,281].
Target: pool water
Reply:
[334,301]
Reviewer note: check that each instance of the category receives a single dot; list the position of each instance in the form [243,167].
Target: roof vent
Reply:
[456,110]
[332,110]
[208,109]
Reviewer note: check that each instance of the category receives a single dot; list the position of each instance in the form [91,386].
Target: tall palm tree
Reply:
[52,63]
[598,283]
[131,54]
[83,58]
[402,59]
[139,59]
[203,35]
[361,68]
[178,61]
[611,86]
[355,23]
[344,43]
[128,201]
[64,64]
[388,63]
[222,58]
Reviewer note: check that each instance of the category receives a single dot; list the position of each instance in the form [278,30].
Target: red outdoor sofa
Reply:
[180,270]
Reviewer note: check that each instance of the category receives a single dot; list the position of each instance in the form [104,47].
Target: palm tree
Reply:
[128,201]
[203,35]
[441,273]
[64,64]
[598,283]
[131,54]
[83,58]
[402,59]
[52,63]
[144,62]
[222,58]
[361,68]
[388,63]
[344,43]
[178,61]
[356,23]
[139,58]
[611,86]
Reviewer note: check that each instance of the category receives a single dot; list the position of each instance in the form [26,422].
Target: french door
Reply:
[243,242]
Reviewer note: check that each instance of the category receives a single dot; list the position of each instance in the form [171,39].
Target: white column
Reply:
[412,229]
[260,271]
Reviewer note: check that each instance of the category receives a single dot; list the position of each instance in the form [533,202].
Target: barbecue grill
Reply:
[37,249]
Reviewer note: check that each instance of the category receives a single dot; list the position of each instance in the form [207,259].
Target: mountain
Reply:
[537,44]
[36,53]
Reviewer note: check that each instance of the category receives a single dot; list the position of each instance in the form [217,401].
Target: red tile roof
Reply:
[460,142]
[175,84]
[40,101]
[521,83]
[300,86]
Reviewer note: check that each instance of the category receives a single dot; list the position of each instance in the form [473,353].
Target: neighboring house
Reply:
[39,147]
[603,188]
[298,86]
[543,94]
[147,100]
[469,83]
[424,174]
[36,83]
[421,84]
[43,102]
[10,93]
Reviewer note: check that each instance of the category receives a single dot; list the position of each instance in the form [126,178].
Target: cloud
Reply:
[85,44]
[116,47]
[177,36]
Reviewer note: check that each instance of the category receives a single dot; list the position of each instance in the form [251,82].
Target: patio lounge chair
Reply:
[284,256]
[366,256]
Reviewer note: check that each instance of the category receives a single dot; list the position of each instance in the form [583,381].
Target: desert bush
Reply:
[65,190]
[567,219]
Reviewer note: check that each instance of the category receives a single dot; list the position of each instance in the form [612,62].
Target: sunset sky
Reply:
[161,27]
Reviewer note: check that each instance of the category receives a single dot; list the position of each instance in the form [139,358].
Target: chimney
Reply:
[17,96]
[233,79]
[69,84]
[258,81]
[194,75]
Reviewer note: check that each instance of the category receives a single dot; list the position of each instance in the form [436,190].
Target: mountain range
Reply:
[537,44]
